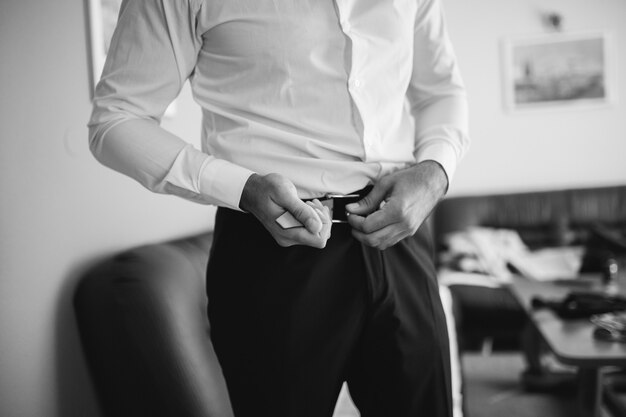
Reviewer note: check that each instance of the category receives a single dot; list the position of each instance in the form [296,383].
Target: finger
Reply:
[391,241]
[356,222]
[315,203]
[301,236]
[325,217]
[381,239]
[375,221]
[370,203]
[302,212]
[327,223]
[287,221]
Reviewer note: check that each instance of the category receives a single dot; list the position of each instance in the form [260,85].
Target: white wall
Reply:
[544,149]
[60,210]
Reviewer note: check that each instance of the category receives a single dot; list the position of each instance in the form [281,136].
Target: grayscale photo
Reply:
[312,208]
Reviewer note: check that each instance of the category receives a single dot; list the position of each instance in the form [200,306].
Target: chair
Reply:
[130,311]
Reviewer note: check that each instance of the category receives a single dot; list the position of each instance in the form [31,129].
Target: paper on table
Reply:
[549,263]
[447,277]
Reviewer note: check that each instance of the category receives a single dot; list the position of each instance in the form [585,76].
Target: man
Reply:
[302,98]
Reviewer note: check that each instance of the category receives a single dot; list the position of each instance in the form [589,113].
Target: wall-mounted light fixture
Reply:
[553,20]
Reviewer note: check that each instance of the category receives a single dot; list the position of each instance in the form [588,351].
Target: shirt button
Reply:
[346,26]
[356,83]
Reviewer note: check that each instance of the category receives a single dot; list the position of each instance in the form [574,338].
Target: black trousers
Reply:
[289,325]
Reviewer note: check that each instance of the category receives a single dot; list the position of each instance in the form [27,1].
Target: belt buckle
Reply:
[335,202]
[337,205]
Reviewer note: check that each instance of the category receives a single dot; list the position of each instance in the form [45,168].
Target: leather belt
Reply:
[335,202]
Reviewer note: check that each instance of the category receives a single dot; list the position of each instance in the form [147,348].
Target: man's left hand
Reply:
[397,205]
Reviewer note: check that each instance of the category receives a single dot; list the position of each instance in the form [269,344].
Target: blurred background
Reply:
[60,210]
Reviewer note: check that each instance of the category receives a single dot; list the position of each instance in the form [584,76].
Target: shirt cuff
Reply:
[441,152]
[223,181]
[216,181]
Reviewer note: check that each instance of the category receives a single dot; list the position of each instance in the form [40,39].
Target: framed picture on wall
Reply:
[103,16]
[557,71]
[102,21]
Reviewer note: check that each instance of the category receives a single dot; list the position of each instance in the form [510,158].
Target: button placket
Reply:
[354,82]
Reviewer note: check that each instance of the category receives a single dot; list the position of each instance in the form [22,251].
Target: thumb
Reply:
[305,214]
[368,204]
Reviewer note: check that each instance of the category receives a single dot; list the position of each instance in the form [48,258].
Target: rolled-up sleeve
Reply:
[153,51]
[436,92]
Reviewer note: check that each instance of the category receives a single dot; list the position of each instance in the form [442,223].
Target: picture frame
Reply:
[103,15]
[102,20]
[557,71]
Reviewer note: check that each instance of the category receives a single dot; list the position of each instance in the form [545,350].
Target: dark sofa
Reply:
[142,322]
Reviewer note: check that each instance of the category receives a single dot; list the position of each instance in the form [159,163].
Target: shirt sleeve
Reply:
[436,92]
[153,51]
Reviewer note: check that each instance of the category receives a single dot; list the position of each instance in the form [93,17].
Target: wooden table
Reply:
[572,341]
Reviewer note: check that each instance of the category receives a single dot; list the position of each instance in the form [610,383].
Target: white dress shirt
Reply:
[331,94]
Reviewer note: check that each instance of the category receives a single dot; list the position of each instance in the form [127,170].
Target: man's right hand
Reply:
[268,197]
